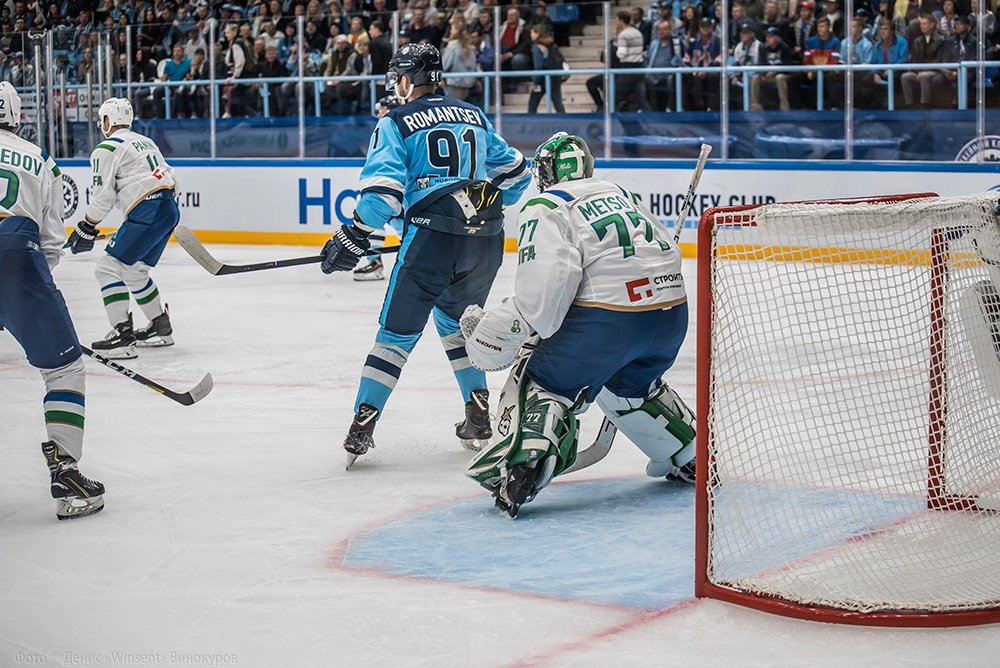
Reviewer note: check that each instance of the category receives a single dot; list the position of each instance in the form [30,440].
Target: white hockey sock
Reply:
[64,406]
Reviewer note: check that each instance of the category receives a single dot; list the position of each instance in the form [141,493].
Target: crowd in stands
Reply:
[173,41]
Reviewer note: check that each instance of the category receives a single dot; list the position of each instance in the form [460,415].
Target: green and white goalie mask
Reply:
[562,157]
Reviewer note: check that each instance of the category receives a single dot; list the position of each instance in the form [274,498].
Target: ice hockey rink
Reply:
[233,536]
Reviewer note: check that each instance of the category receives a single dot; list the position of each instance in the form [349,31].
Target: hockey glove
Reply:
[344,250]
[82,238]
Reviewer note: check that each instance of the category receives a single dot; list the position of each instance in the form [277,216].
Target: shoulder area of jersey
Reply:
[567,193]
[430,102]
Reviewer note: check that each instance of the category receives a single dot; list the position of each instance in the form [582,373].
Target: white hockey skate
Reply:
[371,271]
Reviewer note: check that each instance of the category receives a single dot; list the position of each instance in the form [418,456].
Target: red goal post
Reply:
[848,417]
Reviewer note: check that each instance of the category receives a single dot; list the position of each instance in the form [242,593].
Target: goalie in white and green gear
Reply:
[599,281]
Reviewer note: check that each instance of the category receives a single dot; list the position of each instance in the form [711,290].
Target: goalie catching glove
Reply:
[83,237]
[493,338]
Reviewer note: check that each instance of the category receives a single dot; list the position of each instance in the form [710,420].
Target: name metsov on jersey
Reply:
[127,168]
[592,243]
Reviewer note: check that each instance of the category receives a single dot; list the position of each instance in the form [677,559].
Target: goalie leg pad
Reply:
[662,426]
[540,446]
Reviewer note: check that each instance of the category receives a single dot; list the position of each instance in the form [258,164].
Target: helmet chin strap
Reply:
[402,98]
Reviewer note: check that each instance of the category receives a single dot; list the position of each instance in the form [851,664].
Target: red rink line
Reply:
[547,657]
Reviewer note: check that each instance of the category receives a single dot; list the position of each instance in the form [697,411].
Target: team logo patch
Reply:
[638,289]
[503,425]
[987,148]
[71,196]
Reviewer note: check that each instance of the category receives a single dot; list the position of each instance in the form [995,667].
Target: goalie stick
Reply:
[194,395]
[597,450]
[190,243]
[689,198]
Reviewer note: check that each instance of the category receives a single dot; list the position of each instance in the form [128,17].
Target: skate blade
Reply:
[351,458]
[473,445]
[117,353]
[66,508]
[156,342]
[510,509]
[369,277]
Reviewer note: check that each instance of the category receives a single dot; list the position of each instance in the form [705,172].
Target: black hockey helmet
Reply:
[420,62]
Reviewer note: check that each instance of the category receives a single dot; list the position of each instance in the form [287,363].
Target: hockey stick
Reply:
[194,395]
[190,243]
[99,237]
[597,450]
[689,198]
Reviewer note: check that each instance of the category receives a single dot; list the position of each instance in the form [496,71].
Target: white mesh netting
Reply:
[821,425]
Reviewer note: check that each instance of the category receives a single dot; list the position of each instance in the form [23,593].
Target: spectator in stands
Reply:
[206,22]
[738,19]
[666,13]
[484,26]
[667,50]
[803,28]
[515,45]
[889,50]
[831,10]
[754,9]
[270,35]
[690,20]
[381,12]
[289,43]
[545,56]
[485,55]
[541,16]
[630,89]
[418,30]
[459,56]
[703,87]
[314,40]
[176,69]
[335,64]
[469,11]
[198,95]
[860,47]
[441,26]
[960,46]
[351,94]
[637,17]
[143,70]
[357,32]
[147,35]
[824,49]
[886,14]
[946,18]
[772,18]
[381,50]
[774,52]
[927,47]
[241,64]
[194,42]
[745,54]
[315,13]
[179,27]
[280,95]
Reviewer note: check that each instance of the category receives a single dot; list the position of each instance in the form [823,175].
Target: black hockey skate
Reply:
[476,426]
[119,344]
[75,494]
[516,490]
[157,333]
[359,438]
[370,271]
[685,473]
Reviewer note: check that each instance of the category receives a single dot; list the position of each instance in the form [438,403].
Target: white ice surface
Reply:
[225,521]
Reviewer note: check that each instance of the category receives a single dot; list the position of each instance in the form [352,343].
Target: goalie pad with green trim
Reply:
[662,426]
[534,441]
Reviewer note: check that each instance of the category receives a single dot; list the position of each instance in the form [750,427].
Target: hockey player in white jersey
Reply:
[129,170]
[33,309]
[599,282]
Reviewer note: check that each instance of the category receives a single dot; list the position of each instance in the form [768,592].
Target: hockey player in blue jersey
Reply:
[439,163]
[33,309]
[373,269]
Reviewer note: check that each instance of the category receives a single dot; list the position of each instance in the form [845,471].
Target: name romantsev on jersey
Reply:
[418,120]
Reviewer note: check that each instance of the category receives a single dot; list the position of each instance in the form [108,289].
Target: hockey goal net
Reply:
[849,409]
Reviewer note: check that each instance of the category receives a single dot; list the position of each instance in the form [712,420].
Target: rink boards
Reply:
[303,202]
